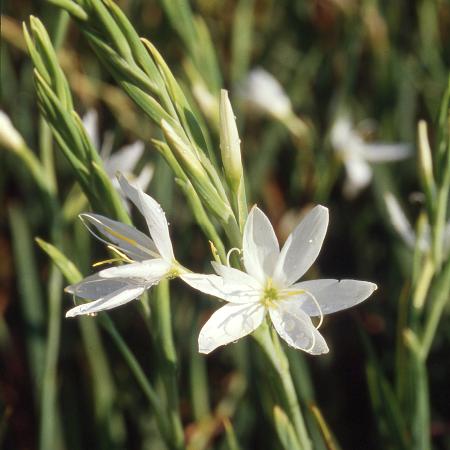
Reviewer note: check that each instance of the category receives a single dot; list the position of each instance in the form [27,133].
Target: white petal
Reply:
[154,216]
[237,291]
[150,272]
[135,244]
[296,328]
[94,287]
[341,133]
[399,220]
[260,245]
[359,175]
[113,300]
[145,176]
[302,247]
[232,275]
[125,159]
[90,122]
[333,295]
[379,152]
[228,324]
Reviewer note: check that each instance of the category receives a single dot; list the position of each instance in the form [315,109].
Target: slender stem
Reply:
[138,373]
[438,301]
[272,347]
[49,416]
[164,341]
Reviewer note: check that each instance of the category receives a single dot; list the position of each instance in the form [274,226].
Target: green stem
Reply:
[272,347]
[164,340]
[138,373]
[439,298]
[49,417]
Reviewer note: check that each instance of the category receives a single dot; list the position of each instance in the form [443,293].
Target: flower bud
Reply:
[230,144]
[425,160]
[9,136]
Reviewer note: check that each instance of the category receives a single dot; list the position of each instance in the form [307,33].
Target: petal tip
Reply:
[71,313]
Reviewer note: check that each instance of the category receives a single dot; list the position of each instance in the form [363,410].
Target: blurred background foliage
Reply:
[379,60]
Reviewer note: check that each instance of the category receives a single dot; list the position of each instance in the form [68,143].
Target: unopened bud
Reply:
[425,160]
[230,144]
[183,152]
[9,136]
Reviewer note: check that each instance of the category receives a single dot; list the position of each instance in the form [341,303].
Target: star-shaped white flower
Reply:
[269,286]
[356,154]
[148,260]
[124,159]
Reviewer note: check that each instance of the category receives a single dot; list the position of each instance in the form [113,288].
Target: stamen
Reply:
[318,308]
[120,253]
[234,249]
[106,261]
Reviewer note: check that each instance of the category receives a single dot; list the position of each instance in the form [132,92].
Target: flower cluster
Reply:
[267,286]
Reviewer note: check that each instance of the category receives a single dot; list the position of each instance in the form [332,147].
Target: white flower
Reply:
[124,160]
[404,229]
[269,286]
[148,261]
[357,154]
[263,92]
[9,136]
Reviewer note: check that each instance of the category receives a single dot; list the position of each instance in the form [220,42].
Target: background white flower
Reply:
[404,229]
[268,285]
[148,260]
[9,137]
[262,91]
[124,159]
[356,154]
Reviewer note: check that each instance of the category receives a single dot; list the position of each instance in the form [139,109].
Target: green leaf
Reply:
[285,430]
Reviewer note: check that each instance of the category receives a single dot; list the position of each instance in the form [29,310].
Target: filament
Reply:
[230,252]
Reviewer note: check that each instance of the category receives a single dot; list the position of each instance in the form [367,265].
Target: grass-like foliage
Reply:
[278,154]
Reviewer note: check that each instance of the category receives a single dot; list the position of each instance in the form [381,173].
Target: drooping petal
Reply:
[116,298]
[150,272]
[231,291]
[94,287]
[228,324]
[295,327]
[154,216]
[260,245]
[381,152]
[333,295]
[132,242]
[302,247]
[125,159]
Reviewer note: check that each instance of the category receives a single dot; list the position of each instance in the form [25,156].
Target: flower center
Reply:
[270,294]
